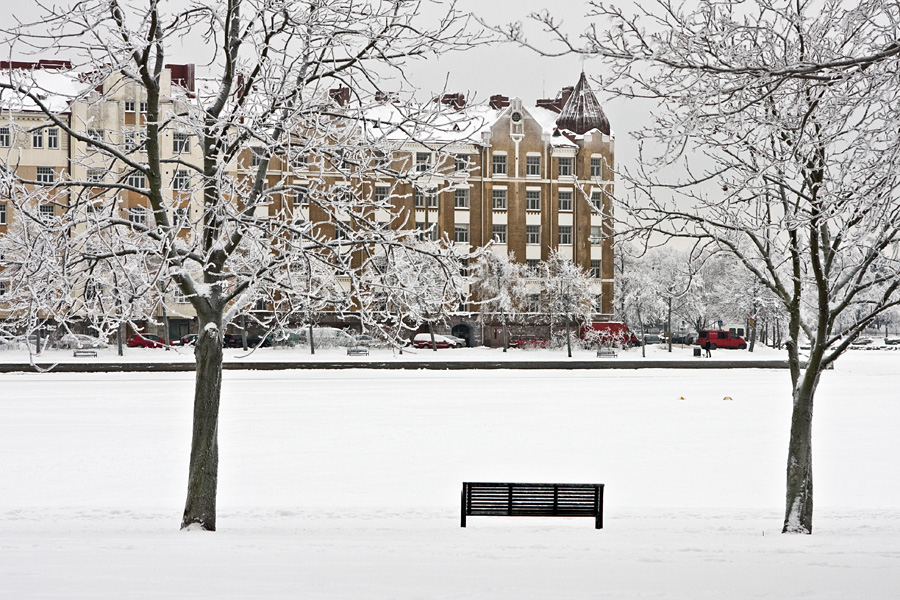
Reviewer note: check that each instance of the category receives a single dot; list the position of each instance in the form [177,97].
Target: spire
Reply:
[582,111]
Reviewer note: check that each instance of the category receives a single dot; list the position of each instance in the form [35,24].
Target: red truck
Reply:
[718,338]
[609,333]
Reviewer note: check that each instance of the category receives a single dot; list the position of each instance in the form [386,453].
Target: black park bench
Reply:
[532,500]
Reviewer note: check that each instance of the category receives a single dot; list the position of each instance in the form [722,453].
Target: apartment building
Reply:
[532,179]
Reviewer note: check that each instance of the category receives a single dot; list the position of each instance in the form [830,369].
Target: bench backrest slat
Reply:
[532,499]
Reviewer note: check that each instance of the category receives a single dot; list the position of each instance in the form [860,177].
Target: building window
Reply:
[342,230]
[5,137]
[182,180]
[596,166]
[533,269]
[129,106]
[461,233]
[256,156]
[498,198]
[565,200]
[53,138]
[95,175]
[181,142]
[130,141]
[423,161]
[2,288]
[45,175]
[137,215]
[532,199]
[461,164]
[380,193]
[137,179]
[533,166]
[37,139]
[533,301]
[299,162]
[95,135]
[498,164]
[565,166]
[3,214]
[595,269]
[426,197]
[144,107]
[301,196]
[532,234]
[46,213]
[461,197]
[565,235]
[500,234]
[597,199]
[596,234]
[181,218]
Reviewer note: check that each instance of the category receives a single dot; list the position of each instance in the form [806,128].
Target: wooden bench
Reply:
[84,352]
[532,500]
[358,351]
[606,352]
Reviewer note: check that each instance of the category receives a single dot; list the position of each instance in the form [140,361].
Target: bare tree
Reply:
[777,144]
[566,290]
[288,87]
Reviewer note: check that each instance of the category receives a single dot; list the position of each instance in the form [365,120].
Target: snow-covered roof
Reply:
[55,88]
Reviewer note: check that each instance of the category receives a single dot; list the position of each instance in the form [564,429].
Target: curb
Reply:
[574,365]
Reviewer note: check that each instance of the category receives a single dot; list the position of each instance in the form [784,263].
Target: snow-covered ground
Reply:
[302,354]
[345,484]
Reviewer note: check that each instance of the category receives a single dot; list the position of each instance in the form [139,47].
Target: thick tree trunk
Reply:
[200,507]
[568,337]
[799,498]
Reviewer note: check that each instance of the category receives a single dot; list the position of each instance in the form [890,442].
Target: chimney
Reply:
[183,75]
[499,101]
[557,104]
[341,95]
[457,100]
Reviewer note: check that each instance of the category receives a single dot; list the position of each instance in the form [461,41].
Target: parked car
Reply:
[687,338]
[460,343]
[651,338]
[188,340]
[423,340]
[527,341]
[286,337]
[232,340]
[368,341]
[75,341]
[146,340]
[257,341]
[720,339]
[325,337]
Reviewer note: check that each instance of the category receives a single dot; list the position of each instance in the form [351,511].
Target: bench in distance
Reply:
[532,500]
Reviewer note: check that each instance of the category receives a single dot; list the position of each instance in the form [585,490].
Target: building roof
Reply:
[582,112]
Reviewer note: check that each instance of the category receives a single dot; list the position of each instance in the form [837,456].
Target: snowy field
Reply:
[346,485]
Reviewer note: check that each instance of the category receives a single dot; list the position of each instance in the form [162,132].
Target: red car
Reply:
[146,341]
[721,339]
[423,340]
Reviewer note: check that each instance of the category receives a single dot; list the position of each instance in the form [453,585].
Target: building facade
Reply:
[531,180]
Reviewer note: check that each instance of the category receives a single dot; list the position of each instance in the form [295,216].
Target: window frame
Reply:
[53,138]
[181,180]
[45,175]
[461,230]
[565,203]
[461,163]
[181,142]
[423,161]
[37,139]
[565,235]
[532,235]
[530,162]
[6,136]
[3,210]
[532,202]
[461,197]
[499,198]
[565,166]
[596,166]
[130,106]
[499,167]
[499,233]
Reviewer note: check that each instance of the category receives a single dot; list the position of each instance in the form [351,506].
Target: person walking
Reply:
[708,347]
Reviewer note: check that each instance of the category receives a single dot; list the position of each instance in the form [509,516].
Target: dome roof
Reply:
[583,112]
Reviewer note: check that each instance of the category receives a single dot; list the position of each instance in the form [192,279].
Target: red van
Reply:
[609,333]
[721,339]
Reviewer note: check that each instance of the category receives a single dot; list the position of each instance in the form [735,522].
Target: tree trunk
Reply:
[200,507]
[431,333]
[244,332]
[505,334]
[312,342]
[568,337]
[120,335]
[799,498]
